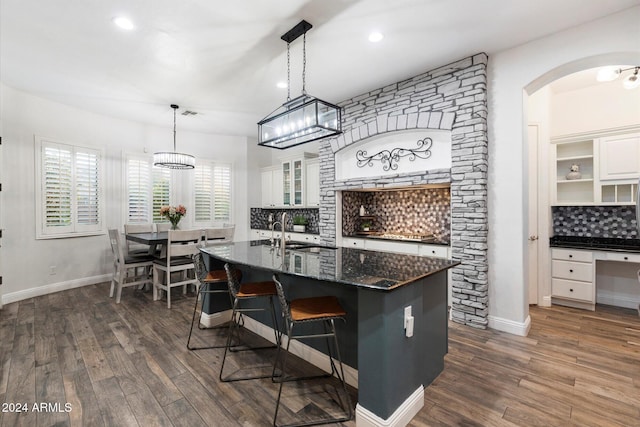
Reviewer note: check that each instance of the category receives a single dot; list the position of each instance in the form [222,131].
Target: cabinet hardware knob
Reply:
[570,271]
[626,258]
[570,256]
[570,290]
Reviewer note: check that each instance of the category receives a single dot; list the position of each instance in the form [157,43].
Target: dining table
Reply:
[153,239]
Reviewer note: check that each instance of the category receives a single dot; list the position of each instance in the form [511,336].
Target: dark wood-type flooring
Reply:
[127,364]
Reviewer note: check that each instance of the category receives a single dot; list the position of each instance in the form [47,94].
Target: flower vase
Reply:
[174,224]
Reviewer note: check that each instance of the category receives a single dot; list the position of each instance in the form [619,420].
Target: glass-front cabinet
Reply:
[292,182]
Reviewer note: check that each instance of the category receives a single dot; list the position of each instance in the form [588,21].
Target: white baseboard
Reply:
[400,418]
[546,301]
[310,354]
[215,319]
[617,299]
[53,287]
[510,326]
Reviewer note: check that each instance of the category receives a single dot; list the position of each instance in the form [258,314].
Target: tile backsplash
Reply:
[259,218]
[595,221]
[421,211]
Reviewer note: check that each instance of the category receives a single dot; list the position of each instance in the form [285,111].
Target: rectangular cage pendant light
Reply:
[303,119]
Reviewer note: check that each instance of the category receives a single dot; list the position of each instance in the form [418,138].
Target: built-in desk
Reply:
[575,266]
[389,368]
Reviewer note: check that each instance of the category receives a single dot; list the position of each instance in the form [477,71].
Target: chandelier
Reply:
[302,119]
[173,159]
[608,74]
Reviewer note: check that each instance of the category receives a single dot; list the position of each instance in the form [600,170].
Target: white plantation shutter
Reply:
[160,192]
[87,185]
[147,189]
[70,191]
[57,185]
[212,192]
[222,192]
[203,186]
[138,191]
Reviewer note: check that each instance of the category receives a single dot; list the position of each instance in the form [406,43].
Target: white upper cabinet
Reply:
[312,186]
[620,157]
[271,187]
[293,183]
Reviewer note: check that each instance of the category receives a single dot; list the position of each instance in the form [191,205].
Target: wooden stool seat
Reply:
[257,289]
[216,276]
[316,308]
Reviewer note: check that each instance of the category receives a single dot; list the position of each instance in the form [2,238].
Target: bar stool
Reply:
[325,309]
[208,281]
[241,293]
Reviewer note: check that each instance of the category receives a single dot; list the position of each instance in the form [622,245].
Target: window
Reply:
[69,194]
[148,188]
[212,192]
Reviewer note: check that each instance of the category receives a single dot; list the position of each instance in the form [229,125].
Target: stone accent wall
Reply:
[452,97]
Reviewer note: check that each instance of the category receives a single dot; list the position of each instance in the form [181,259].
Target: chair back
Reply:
[232,279]
[137,228]
[183,243]
[282,298]
[116,247]
[163,226]
[220,234]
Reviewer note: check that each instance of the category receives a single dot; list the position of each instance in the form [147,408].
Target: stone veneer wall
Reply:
[452,97]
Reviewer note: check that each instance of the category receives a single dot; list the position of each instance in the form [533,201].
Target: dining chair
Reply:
[162,226]
[244,296]
[137,248]
[125,267]
[181,246]
[324,310]
[219,234]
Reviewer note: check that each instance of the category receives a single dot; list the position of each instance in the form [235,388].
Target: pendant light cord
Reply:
[174,128]
[304,63]
[288,73]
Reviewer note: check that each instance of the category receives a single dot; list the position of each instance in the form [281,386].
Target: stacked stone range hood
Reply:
[448,106]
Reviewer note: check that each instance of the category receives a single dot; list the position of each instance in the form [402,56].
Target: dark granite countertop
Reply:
[350,266]
[596,243]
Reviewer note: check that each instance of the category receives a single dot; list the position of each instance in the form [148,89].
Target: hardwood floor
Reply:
[127,364]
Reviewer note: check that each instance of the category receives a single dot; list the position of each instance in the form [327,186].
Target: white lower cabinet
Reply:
[572,278]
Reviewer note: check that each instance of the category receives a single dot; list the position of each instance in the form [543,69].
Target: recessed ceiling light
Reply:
[123,22]
[375,37]
[281,85]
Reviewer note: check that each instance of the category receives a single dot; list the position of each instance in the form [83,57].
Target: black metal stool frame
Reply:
[204,289]
[330,331]
[237,322]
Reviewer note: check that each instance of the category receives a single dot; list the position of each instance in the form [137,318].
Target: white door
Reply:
[533,213]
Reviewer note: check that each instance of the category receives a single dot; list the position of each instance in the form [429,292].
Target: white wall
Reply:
[603,106]
[512,73]
[82,260]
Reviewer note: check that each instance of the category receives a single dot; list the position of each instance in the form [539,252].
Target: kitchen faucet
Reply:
[282,222]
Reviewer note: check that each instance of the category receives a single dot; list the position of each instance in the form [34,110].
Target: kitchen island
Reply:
[377,289]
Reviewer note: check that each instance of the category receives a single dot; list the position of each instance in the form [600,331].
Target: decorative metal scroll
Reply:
[390,159]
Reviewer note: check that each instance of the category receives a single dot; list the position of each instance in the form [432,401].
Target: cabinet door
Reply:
[313,184]
[286,183]
[620,157]
[276,188]
[267,188]
[297,183]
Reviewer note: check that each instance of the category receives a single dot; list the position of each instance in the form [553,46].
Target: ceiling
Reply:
[222,59]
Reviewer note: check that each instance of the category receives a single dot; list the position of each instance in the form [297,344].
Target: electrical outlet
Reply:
[52,270]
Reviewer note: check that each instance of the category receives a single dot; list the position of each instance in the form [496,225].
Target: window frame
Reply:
[75,229]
